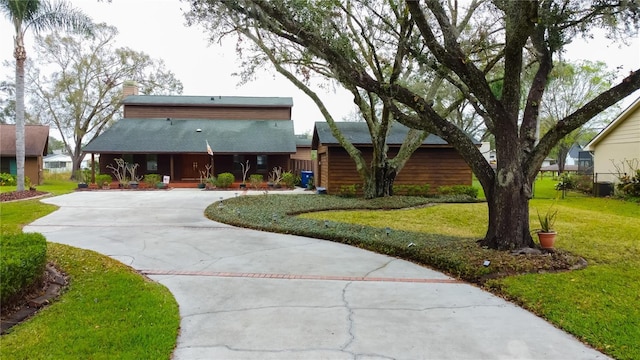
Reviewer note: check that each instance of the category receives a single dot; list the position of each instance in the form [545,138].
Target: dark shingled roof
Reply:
[243,101]
[358,134]
[36,140]
[181,136]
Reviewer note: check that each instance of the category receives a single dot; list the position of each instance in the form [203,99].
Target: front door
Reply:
[193,164]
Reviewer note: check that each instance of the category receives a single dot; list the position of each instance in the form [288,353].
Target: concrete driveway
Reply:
[246,294]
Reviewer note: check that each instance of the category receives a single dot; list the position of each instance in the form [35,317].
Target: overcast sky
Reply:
[157,28]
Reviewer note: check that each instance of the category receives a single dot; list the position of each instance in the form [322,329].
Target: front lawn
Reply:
[107,312]
[597,304]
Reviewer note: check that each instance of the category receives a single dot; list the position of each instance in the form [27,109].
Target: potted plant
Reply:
[82,177]
[546,233]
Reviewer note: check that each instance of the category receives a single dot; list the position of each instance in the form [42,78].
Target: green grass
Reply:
[56,185]
[107,312]
[598,304]
[17,214]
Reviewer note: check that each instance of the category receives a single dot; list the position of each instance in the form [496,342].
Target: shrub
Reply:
[255,180]
[7,179]
[348,191]
[567,182]
[152,179]
[22,261]
[458,190]
[288,179]
[103,179]
[630,185]
[225,180]
[584,183]
[411,190]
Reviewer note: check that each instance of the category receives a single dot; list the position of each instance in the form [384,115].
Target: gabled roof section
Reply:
[36,140]
[303,141]
[182,136]
[635,106]
[358,134]
[209,101]
[574,151]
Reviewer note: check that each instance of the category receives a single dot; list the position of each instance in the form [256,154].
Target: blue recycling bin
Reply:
[305,177]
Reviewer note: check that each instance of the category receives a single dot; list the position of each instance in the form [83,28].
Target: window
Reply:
[261,161]
[6,165]
[238,160]
[152,162]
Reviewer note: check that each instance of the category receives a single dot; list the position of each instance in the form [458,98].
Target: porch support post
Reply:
[93,168]
[171,167]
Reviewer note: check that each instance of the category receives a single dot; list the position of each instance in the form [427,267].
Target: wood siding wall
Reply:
[222,163]
[433,166]
[33,169]
[203,112]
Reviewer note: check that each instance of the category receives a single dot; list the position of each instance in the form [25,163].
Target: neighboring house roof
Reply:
[182,136]
[303,141]
[57,157]
[235,101]
[36,140]
[574,152]
[615,123]
[62,158]
[358,134]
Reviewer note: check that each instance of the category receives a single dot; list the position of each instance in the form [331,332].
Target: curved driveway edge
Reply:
[246,294]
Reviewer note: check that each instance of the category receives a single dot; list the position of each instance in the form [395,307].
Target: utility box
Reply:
[603,189]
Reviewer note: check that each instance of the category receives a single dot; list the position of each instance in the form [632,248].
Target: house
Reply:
[573,155]
[62,163]
[435,162]
[36,145]
[183,136]
[303,159]
[616,144]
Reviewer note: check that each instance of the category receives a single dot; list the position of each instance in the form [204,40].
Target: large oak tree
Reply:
[379,33]
[77,86]
[526,35]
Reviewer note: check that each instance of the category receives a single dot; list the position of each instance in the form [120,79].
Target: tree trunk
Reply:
[508,220]
[562,157]
[379,183]
[20,56]
[508,192]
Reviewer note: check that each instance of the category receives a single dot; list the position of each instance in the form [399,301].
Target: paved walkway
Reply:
[246,294]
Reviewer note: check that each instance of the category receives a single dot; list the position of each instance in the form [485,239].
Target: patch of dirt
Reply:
[40,295]
[20,195]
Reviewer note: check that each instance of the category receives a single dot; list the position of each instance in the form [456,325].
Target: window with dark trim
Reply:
[261,162]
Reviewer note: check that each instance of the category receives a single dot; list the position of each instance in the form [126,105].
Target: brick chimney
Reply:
[129,88]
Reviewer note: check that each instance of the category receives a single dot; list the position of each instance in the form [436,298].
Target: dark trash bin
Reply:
[305,177]
[604,188]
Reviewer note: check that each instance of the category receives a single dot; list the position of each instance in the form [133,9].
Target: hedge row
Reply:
[23,257]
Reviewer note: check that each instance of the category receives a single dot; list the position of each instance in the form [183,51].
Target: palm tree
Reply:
[39,16]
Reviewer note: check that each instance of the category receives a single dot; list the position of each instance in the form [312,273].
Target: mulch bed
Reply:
[20,195]
[40,295]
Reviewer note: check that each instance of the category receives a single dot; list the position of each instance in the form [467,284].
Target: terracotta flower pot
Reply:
[547,239]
